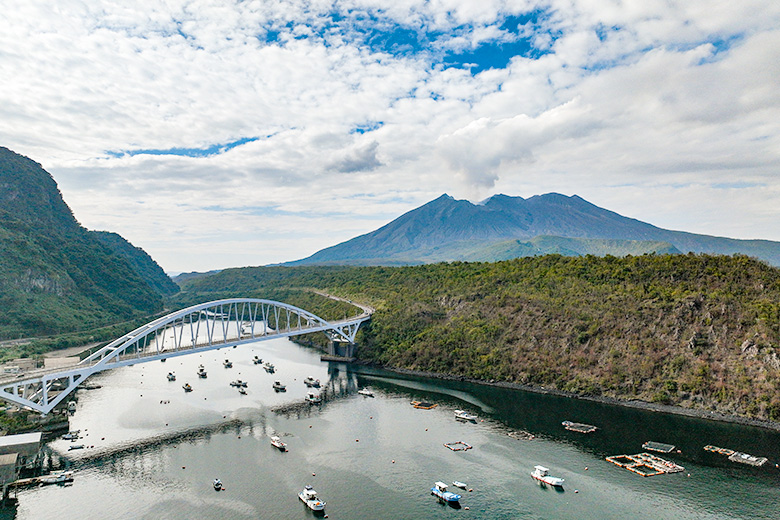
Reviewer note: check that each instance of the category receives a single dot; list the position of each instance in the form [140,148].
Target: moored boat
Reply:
[227,363]
[279,387]
[238,383]
[311,382]
[459,484]
[257,361]
[202,372]
[276,441]
[187,387]
[463,415]
[171,376]
[439,490]
[71,436]
[58,477]
[313,398]
[366,392]
[542,474]
[242,390]
[310,498]
[217,484]
[269,367]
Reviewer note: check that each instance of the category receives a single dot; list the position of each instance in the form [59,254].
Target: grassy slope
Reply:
[694,330]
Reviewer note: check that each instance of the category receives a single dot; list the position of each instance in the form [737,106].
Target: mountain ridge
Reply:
[431,232]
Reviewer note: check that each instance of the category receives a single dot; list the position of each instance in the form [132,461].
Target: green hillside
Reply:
[54,275]
[693,330]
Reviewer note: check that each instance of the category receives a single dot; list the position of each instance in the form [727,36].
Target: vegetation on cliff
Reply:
[692,330]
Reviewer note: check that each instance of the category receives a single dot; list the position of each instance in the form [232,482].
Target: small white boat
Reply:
[71,436]
[242,390]
[257,361]
[58,477]
[238,383]
[76,447]
[187,387]
[269,367]
[217,484]
[463,415]
[366,392]
[542,474]
[309,497]
[227,363]
[171,376]
[279,387]
[459,484]
[313,398]
[276,441]
[439,489]
[311,382]
[202,372]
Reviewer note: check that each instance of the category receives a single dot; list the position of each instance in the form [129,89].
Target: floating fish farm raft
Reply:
[660,447]
[645,464]
[737,456]
[457,446]
[579,427]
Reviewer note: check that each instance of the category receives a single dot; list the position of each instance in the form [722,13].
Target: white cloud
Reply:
[637,106]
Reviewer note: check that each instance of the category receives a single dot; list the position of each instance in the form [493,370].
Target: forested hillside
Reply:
[694,330]
[54,275]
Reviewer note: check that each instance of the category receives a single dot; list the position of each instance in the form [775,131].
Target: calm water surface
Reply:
[153,450]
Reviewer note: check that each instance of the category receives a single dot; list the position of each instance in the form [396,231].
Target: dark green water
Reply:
[378,457]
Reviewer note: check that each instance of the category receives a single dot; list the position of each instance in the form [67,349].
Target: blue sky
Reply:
[215,135]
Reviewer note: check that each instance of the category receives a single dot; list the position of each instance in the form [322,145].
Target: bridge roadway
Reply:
[200,328]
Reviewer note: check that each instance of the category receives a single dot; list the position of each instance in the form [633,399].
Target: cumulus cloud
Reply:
[345,114]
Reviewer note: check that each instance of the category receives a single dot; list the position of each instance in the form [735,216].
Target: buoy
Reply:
[357,440]
[183,467]
[393,461]
[576,490]
[426,429]
[466,508]
[102,438]
[310,426]
[313,474]
[586,468]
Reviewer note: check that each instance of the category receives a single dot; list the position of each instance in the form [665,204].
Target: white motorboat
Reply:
[542,474]
[187,387]
[310,498]
[76,447]
[58,477]
[257,361]
[276,441]
[313,398]
[311,382]
[463,415]
[227,363]
[202,372]
[439,489]
[217,484]
[242,390]
[366,392]
[71,436]
[238,383]
[279,387]
[171,376]
[459,484]
[269,367]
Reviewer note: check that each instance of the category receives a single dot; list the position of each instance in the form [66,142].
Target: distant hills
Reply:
[504,227]
[56,276]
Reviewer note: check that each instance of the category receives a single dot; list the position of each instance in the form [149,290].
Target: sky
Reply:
[215,134]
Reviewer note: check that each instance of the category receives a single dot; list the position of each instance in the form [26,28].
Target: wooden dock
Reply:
[660,447]
[737,456]
[645,464]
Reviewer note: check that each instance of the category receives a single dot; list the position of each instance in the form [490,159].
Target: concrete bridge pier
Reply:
[341,349]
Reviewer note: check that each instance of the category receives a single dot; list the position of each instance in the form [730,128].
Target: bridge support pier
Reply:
[341,349]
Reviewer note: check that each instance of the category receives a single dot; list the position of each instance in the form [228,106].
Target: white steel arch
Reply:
[203,327]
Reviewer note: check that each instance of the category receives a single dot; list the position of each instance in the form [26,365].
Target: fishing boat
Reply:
[542,474]
[257,361]
[187,387]
[217,484]
[309,497]
[76,447]
[58,477]
[276,441]
[311,382]
[171,376]
[439,490]
[242,390]
[71,436]
[366,392]
[238,383]
[463,415]
[227,364]
[313,398]
[269,367]
[202,372]
[279,387]
[459,484]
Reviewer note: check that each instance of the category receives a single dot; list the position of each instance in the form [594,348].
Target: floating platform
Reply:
[458,446]
[738,456]
[660,447]
[424,405]
[579,427]
[645,464]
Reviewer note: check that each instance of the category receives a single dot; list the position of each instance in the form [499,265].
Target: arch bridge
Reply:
[200,328]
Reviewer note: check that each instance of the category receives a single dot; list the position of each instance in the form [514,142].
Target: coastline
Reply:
[635,403]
